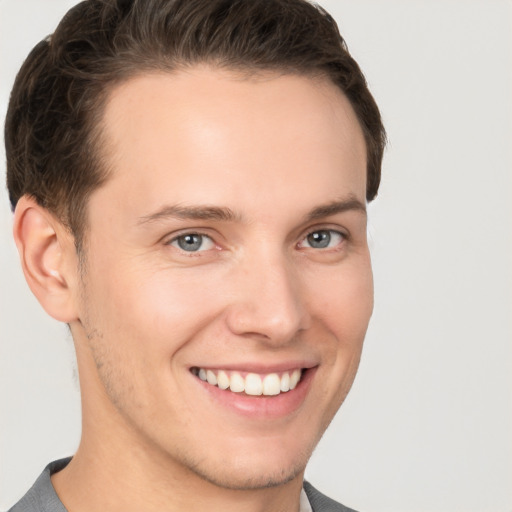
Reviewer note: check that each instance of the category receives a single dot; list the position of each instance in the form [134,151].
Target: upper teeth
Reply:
[253,383]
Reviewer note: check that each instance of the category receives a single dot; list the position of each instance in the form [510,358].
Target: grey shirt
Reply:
[42,497]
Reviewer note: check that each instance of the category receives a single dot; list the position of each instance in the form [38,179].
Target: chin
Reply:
[252,478]
[254,467]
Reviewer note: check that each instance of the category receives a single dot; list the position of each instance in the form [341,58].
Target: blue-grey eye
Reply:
[322,239]
[193,242]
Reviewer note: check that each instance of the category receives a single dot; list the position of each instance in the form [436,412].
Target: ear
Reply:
[48,258]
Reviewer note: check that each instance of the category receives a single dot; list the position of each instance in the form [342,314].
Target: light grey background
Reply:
[428,424]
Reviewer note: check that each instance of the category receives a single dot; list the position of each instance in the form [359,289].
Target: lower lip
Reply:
[262,406]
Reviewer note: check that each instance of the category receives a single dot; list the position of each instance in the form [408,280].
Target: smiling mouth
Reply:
[253,384]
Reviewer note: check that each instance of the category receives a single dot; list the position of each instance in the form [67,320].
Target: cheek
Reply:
[345,312]
[177,298]
[346,304]
[161,308]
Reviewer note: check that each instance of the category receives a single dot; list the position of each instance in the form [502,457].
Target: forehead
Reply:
[191,130]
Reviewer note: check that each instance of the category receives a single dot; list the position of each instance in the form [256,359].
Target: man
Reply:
[189,180]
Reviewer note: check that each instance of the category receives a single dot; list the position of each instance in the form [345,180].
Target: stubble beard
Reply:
[184,461]
[115,384]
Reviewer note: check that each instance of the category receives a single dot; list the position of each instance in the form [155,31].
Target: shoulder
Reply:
[321,503]
[41,497]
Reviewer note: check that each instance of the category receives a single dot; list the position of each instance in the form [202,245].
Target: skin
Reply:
[269,150]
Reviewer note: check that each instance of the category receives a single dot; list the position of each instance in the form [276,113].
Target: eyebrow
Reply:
[351,203]
[221,213]
[191,212]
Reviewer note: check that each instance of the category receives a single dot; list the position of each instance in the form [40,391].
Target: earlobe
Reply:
[48,258]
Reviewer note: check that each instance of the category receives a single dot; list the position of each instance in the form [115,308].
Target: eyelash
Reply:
[332,233]
[342,236]
[182,236]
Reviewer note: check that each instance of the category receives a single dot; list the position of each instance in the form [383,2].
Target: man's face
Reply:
[230,241]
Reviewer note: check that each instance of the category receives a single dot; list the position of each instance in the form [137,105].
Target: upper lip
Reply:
[260,368]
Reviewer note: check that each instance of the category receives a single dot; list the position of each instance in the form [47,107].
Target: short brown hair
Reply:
[51,132]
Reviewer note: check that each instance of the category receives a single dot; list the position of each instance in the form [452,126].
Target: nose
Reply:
[267,301]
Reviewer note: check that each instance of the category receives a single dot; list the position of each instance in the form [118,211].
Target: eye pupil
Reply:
[319,239]
[190,242]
